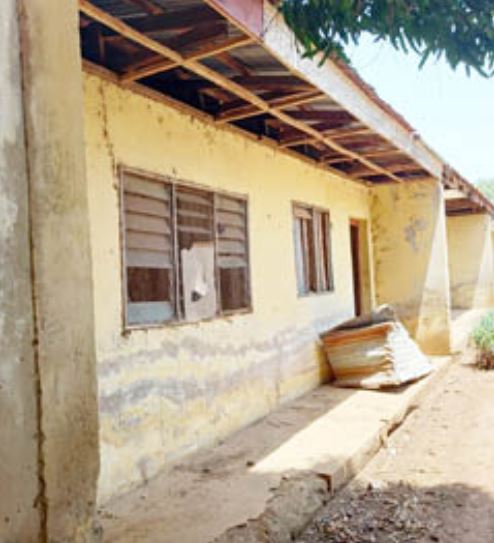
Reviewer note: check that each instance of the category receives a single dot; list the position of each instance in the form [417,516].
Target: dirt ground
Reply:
[434,478]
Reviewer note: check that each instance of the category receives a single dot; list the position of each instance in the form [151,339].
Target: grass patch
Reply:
[483,339]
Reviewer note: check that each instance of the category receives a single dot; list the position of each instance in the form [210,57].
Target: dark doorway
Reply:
[356,265]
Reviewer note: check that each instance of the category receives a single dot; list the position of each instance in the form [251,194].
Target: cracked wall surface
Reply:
[61,268]
[19,484]
[166,392]
[411,259]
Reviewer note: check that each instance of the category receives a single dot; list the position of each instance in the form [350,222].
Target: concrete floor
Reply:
[324,432]
[329,432]
[437,472]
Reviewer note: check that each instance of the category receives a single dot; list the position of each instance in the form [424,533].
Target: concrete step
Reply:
[268,480]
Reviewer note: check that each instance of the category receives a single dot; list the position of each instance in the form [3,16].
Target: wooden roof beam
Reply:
[348,135]
[269,82]
[324,128]
[198,36]
[320,115]
[233,63]
[147,5]
[220,80]
[384,153]
[463,206]
[165,65]
[336,160]
[176,20]
[393,168]
[452,179]
[229,114]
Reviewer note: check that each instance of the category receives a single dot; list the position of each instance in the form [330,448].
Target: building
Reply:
[186,203]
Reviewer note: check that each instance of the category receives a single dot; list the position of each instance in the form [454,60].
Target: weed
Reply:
[483,339]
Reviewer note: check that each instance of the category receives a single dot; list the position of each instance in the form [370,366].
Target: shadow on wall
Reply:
[453,513]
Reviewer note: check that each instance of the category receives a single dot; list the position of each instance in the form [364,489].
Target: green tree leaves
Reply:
[486,186]
[461,30]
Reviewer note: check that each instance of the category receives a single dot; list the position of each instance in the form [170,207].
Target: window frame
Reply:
[318,262]
[174,184]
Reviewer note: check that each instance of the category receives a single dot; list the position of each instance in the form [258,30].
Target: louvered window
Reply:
[149,251]
[233,262]
[186,252]
[312,239]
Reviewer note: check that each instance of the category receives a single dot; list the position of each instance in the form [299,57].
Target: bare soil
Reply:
[434,478]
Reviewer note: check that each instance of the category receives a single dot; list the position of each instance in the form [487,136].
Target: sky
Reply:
[453,112]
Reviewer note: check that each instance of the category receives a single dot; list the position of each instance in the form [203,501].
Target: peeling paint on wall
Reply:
[412,232]
[411,260]
[167,391]
[20,518]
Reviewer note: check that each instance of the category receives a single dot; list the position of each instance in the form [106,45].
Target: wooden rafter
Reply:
[233,63]
[117,25]
[197,37]
[394,168]
[241,110]
[384,153]
[348,135]
[176,20]
[453,180]
[294,141]
[463,206]
[294,138]
[164,65]
[147,5]
[320,115]
[271,82]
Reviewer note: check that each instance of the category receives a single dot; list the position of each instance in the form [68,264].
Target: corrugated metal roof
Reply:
[302,126]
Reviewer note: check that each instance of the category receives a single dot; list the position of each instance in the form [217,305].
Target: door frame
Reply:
[356,252]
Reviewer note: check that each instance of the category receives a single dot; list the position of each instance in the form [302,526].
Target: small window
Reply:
[312,238]
[233,261]
[186,252]
[149,251]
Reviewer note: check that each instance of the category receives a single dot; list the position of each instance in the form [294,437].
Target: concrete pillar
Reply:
[19,485]
[411,259]
[63,350]
[471,262]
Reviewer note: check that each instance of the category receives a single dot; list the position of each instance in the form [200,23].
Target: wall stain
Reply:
[412,232]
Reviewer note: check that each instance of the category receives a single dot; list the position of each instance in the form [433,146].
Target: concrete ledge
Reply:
[266,482]
[299,497]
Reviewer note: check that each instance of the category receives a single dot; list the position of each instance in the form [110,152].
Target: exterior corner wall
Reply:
[471,261]
[167,391]
[19,484]
[61,257]
[411,259]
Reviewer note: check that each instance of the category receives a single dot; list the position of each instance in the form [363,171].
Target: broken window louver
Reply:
[148,251]
[312,239]
[231,232]
[186,254]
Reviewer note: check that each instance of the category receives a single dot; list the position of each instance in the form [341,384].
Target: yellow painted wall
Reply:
[411,259]
[471,266]
[165,392]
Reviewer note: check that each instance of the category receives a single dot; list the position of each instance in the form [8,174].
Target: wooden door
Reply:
[356,265]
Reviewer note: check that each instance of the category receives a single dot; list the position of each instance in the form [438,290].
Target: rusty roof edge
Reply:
[453,179]
[448,171]
[349,91]
[276,32]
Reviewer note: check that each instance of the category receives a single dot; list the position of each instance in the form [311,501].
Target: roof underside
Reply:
[188,51]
